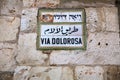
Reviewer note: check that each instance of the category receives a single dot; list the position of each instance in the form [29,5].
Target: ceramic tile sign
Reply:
[60,29]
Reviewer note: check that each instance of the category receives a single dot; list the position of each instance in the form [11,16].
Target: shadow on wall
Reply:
[118,5]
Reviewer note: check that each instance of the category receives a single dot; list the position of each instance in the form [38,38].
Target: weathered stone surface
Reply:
[9,28]
[7,46]
[40,3]
[112,19]
[92,1]
[85,3]
[6,56]
[29,20]
[111,73]
[7,53]
[62,57]
[22,73]
[84,58]
[89,73]
[51,73]
[43,73]
[27,53]
[28,3]
[95,19]
[102,19]
[67,73]
[6,75]
[10,7]
[107,42]
[118,72]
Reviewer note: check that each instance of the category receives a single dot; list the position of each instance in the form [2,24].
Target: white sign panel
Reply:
[61,29]
[60,35]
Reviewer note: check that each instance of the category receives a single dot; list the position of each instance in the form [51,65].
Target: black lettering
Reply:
[42,40]
[80,41]
[64,41]
[48,41]
[72,41]
[53,40]
[76,40]
[57,41]
[68,40]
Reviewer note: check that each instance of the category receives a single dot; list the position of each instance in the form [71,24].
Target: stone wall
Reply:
[20,60]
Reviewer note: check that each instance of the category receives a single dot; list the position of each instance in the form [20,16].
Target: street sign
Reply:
[61,29]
